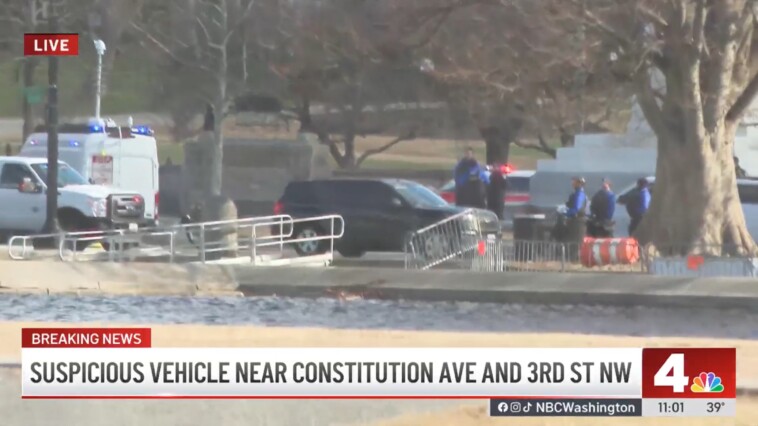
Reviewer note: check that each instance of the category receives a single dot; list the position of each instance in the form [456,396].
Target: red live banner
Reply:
[85,338]
[51,44]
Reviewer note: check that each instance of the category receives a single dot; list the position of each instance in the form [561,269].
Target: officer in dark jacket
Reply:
[602,207]
[638,205]
[471,181]
[496,190]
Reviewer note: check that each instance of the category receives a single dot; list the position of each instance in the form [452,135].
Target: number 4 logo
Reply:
[671,374]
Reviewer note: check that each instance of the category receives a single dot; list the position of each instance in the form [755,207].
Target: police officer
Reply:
[576,206]
[602,207]
[638,205]
[496,190]
[574,216]
[471,180]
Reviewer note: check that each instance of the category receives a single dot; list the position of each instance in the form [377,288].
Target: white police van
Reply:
[104,153]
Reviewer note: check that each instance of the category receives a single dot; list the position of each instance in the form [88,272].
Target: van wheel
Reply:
[309,248]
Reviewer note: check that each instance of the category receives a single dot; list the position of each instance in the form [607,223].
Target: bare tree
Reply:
[207,49]
[327,54]
[693,65]
[522,78]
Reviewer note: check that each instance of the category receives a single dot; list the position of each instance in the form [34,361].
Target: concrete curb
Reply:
[511,287]
[147,278]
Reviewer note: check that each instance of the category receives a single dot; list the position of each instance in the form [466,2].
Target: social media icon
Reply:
[502,407]
[528,407]
[516,407]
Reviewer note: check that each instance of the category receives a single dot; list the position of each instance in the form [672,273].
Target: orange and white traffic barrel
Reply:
[609,251]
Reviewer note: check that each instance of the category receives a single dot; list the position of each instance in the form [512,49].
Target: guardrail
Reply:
[204,241]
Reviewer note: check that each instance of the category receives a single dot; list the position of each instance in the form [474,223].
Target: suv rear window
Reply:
[300,192]
[517,184]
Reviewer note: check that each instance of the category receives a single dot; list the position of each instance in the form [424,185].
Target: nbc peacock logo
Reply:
[707,382]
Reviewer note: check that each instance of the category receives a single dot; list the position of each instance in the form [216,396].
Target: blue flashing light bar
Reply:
[96,128]
[73,143]
[142,130]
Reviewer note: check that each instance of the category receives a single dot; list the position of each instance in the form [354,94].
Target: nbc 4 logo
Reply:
[707,382]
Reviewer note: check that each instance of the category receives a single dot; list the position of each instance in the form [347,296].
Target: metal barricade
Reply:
[488,256]
[535,256]
[449,240]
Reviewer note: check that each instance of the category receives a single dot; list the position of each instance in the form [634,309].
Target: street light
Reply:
[100,48]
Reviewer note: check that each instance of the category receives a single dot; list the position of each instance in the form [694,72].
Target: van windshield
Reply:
[66,175]
[419,196]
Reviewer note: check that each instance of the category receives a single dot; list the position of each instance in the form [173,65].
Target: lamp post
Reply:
[100,48]
[51,219]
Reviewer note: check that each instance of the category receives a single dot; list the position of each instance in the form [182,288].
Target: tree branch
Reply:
[744,100]
[649,105]
[169,51]
[369,152]
[541,146]
[240,19]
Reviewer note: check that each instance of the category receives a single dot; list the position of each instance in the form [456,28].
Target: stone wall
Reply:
[256,171]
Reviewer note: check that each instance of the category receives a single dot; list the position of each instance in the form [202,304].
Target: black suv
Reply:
[379,214]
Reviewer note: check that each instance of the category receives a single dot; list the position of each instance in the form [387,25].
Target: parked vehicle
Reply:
[81,206]
[123,157]
[379,213]
[516,192]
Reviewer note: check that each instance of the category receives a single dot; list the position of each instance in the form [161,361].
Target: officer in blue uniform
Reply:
[471,180]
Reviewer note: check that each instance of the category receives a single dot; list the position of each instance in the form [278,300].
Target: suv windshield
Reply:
[419,196]
[66,175]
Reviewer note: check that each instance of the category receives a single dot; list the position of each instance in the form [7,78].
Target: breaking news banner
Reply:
[120,363]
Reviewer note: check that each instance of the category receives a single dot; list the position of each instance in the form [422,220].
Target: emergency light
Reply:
[142,130]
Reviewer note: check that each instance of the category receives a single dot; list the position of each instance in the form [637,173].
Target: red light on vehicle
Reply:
[507,169]
[448,196]
[137,199]
[278,207]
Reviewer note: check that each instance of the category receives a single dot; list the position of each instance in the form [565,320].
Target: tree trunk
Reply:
[701,214]
[217,160]
[347,160]
[498,144]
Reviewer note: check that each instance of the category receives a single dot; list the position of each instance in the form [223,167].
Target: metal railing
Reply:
[449,240]
[205,241]
[292,225]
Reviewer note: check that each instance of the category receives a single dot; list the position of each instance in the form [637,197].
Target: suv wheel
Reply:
[312,247]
